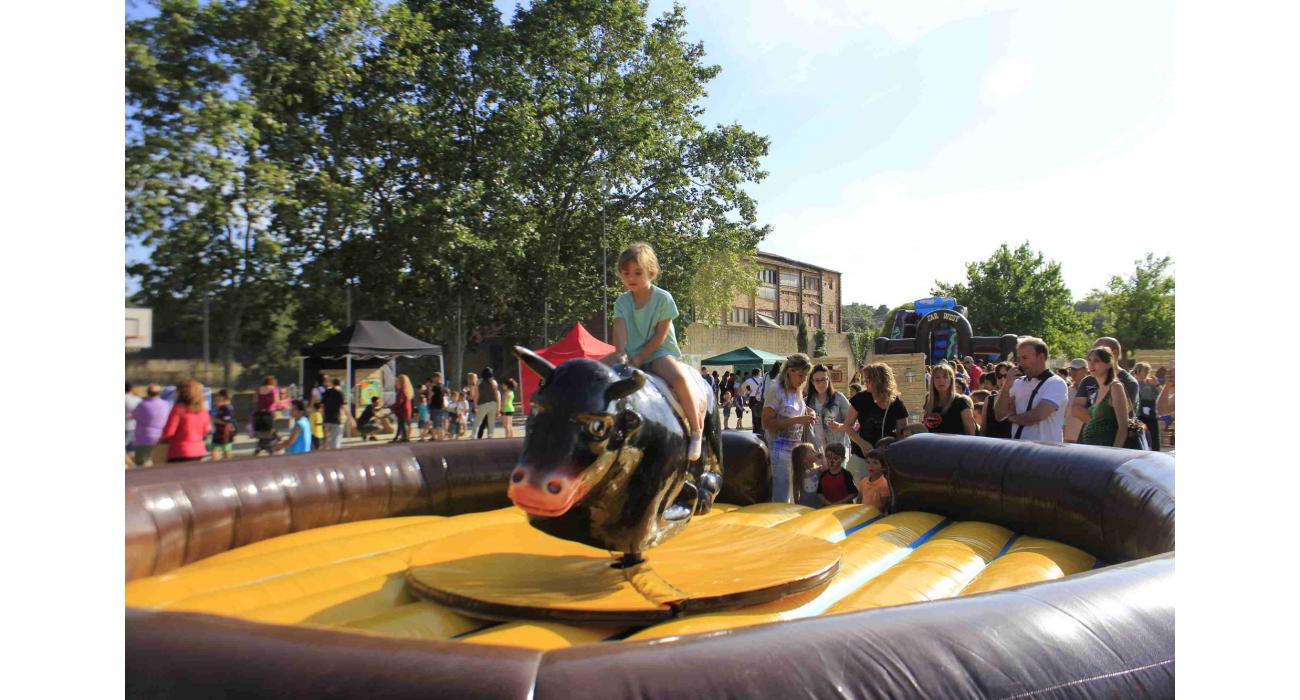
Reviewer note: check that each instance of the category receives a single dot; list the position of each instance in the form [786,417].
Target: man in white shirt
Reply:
[1040,396]
[752,390]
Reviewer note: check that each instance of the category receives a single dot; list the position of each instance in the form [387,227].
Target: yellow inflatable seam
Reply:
[939,568]
[1030,560]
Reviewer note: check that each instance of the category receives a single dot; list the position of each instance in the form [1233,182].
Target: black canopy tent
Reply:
[365,345]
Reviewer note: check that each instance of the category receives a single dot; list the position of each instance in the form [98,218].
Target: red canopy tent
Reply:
[576,343]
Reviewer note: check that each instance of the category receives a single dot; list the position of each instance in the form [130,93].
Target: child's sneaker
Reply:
[696,447]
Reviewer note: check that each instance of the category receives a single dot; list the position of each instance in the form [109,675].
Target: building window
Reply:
[767,275]
[810,283]
[789,318]
[830,318]
[789,279]
[768,293]
[812,320]
[740,315]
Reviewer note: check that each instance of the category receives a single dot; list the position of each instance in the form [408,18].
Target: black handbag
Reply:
[1137,435]
[1137,438]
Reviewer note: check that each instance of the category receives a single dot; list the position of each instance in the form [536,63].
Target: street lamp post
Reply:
[604,259]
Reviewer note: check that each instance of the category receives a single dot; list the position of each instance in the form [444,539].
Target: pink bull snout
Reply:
[549,495]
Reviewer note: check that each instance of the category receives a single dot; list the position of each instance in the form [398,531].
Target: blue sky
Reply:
[909,138]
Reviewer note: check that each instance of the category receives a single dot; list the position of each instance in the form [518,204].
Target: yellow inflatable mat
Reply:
[352,577]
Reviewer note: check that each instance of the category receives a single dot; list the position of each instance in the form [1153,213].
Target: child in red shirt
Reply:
[836,485]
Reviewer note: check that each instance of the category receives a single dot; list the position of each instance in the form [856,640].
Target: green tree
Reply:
[860,346]
[1018,292]
[453,171]
[887,327]
[801,336]
[1139,309]
[200,192]
[864,318]
[606,135]
[819,343]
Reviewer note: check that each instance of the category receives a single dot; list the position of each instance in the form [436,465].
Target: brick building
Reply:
[787,290]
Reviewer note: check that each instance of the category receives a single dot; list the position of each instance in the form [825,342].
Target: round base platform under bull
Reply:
[514,572]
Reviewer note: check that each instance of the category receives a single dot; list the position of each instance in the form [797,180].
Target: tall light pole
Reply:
[207,356]
[604,258]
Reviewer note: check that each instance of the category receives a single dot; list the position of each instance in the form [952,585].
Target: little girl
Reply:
[644,336]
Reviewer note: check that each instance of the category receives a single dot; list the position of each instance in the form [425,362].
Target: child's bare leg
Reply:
[693,405]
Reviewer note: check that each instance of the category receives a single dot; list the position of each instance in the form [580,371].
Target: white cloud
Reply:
[1007,80]
[892,239]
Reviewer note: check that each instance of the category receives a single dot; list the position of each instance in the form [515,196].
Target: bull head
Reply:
[625,387]
[535,362]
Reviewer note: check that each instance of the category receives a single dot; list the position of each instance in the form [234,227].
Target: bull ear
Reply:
[535,362]
[625,387]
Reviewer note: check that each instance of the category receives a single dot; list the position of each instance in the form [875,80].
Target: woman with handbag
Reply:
[1104,425]
[878,411]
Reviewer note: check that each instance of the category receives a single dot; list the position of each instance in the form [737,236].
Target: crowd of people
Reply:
[182,426]
[829,447]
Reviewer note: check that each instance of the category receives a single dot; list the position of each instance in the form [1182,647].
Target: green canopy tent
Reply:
[745,359]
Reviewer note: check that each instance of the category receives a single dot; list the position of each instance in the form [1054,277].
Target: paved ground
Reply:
[244,444]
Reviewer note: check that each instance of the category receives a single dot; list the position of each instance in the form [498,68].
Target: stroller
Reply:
[264,431]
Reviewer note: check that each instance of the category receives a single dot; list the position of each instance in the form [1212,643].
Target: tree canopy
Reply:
[462,175]
[1139,309]
[1019,291]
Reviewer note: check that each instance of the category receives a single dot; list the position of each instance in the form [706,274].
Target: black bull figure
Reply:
[604,460]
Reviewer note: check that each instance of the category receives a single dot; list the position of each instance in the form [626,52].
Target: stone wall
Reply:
[161,371]
[1155,358]
[913,391]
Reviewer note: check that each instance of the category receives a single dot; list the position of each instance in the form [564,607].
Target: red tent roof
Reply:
[576,343]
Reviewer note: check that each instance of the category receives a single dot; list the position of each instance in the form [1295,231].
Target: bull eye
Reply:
[597,428]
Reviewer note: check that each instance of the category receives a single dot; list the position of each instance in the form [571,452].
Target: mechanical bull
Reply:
[604,460]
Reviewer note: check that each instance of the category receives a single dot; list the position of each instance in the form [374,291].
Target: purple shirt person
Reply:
[150,417]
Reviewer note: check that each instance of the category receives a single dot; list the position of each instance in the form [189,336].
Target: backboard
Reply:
[139,328]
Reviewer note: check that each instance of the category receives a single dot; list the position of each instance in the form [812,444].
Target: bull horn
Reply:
[625,387]
[535,362]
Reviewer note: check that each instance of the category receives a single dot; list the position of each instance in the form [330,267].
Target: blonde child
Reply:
[875,486]
[807,473]
[458,408]
[644,336]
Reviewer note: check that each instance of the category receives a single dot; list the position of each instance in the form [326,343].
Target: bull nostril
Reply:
[553,486]
[518,476]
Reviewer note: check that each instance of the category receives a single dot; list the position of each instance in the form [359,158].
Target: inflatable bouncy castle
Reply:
[1005,569]
[938,328]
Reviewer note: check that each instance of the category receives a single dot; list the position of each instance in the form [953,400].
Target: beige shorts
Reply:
[856,466]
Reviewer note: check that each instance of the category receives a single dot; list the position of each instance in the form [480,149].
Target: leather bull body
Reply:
[604,459]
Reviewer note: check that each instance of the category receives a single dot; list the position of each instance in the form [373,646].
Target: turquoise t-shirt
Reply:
[303,443]
[641,322]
